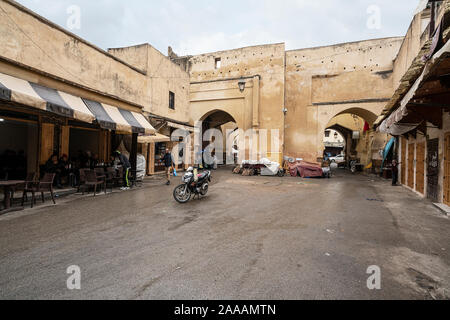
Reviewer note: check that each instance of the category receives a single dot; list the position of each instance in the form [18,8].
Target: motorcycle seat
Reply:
[202,175]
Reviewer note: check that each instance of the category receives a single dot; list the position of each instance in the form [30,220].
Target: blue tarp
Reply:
[386,151]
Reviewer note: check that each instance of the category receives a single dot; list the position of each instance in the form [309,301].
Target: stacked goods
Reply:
[237,170]
[248,172]
[306,169]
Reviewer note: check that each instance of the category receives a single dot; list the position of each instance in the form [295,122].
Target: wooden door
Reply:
[447,170]
[411,152]
[64,141]
[433,168]
[420,168]
[47,136]
[403,161]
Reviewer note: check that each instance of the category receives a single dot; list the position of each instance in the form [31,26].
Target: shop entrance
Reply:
[18,148]
[84,144]
[420,168]
[433,170]
[160,149]
[411,151]
[447,170]
[403,161]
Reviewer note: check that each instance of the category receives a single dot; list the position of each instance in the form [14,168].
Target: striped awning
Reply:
[47,99]
[113,118]
[34,95]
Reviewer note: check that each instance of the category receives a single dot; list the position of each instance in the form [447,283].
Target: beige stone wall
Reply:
[163,76]
[327,81]
[259,106]
[30,40]
[314,84]
[411,45]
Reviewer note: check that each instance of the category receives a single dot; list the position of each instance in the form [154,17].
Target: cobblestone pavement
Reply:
[250,238]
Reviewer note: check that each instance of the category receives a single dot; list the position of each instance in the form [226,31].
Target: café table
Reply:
[8,187]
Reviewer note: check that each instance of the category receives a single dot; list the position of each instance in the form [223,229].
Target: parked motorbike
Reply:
[193,184]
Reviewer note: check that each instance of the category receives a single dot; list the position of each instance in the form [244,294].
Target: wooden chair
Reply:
[118,176]
[100,172]
[92,180]
[110,177]
[29,182]
[82,182]
[45,185]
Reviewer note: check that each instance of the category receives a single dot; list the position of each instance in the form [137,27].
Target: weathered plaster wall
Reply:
[411,45]
[162,76]
[327,81]
[35,42]
[260,105]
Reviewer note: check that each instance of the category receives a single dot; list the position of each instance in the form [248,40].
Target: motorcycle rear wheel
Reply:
[180,195]
[204,190]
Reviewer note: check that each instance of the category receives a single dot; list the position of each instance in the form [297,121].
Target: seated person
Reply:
[53,166]
[94,162]
[65,167]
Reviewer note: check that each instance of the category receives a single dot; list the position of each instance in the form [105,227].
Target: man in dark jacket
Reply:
[53,166]
[126,169]
[168,163]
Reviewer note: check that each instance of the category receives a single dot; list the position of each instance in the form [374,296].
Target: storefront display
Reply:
[160,149]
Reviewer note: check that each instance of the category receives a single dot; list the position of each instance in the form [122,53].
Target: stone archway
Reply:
[222,121]
[368,114]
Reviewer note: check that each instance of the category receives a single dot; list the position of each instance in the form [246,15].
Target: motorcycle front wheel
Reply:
[182,194]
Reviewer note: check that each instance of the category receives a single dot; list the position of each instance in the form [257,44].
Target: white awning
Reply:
[113,118]
[51,100]
[180,126]
[47,99]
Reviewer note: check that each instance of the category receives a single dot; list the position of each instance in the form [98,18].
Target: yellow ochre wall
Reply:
[163,76]
[261,104]
[327,81]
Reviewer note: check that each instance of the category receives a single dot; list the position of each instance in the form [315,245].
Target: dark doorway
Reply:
[433,170]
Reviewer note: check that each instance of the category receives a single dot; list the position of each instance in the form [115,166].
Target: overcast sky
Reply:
[202,26]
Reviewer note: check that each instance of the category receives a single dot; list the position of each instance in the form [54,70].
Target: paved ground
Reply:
[250,238]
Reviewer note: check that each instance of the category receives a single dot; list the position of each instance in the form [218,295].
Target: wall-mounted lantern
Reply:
[241,85]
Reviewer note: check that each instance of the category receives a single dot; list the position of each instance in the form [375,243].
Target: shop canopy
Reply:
[180,126]
[425,99]
[113,118]
[47,99]
[31,94]
[153,139]
[424,89]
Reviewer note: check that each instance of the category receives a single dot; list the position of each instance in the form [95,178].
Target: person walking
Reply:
[126,169]
[168,163]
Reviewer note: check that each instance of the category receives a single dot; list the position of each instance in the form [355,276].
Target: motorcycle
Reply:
[193,184]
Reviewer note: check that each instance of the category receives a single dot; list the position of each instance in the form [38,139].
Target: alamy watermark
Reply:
[213,146]
[374,281]
[74,280]
[74,19]
[374,19]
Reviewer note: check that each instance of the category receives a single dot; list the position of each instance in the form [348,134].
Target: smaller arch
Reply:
[365,114]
